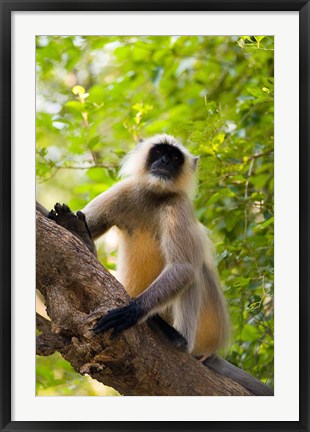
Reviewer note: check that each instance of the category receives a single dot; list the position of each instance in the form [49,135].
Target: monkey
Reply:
[165,258]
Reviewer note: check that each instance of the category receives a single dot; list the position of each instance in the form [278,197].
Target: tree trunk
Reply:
[78,290]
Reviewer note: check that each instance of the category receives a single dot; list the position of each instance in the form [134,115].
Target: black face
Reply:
[165,161]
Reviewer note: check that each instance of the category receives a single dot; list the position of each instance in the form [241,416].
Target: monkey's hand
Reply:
[75,223]
[119,319]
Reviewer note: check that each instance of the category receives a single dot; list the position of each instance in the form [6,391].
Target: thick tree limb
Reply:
[77,290]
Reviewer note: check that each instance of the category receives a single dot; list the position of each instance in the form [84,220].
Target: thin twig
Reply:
[246,197]
[86,167]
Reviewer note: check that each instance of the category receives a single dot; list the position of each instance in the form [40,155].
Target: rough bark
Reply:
[77,290]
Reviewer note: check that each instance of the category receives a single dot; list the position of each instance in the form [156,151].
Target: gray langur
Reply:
[165,258]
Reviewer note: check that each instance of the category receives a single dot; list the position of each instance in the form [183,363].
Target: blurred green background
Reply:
[97,95]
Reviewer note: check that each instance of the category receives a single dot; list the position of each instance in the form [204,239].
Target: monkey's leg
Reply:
[75,223]
[161,327]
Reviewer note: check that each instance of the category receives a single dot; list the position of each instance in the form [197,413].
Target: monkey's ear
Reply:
[195,162]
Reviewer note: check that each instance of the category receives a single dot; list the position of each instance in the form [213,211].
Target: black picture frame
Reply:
[7,7]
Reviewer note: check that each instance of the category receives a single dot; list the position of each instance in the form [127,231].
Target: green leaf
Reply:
[97,94]
[250,333]
[75,106]
[264,225]
[259,38]
[240,282]
[93,142]
[218,139]
[260,180]
[231,219]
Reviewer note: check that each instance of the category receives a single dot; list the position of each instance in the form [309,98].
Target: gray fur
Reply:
[161,214]
[224,368]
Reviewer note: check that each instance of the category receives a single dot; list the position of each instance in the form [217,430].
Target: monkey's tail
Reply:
[222,367]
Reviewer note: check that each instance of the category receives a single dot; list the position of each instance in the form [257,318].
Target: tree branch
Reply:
[78,290]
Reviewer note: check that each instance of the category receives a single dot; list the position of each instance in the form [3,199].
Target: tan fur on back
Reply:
[208,336]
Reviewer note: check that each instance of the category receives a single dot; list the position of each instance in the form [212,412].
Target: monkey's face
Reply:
[165,161]
[161,164]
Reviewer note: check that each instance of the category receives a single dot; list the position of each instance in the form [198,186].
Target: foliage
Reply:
[97,95]
[56,377]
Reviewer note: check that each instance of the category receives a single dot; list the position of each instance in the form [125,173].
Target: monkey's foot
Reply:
[119,319]
[75,223]
[63,216]
[168,332]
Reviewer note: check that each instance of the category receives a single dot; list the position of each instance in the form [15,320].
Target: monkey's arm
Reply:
[174,279]
[103,211]
[177,275]
[96,218]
